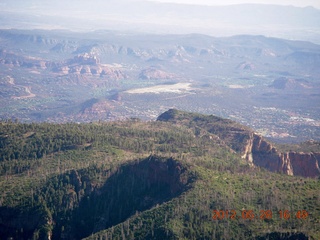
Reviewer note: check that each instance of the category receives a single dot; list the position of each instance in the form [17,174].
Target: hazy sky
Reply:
[140,16]
[298,3]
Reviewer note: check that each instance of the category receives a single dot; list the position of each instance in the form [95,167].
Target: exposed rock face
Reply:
[152,73]
[63,70]
[90,70]
[305,164]
[83,64]
[263,154]
[14,61]
[254,148]
[85,59]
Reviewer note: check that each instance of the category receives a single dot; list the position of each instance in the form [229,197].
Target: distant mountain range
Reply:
[270,20]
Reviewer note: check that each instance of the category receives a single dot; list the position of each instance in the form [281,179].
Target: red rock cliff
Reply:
[263,154]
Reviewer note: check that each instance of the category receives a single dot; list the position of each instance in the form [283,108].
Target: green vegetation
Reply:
[308,146]
[145,180]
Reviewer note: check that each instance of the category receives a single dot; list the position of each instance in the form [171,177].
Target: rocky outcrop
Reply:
[261,153]
[252,147]
[152,73]
[30,63]
[82,64]
[89,70]
[85,59]
[88,65]
[304,164]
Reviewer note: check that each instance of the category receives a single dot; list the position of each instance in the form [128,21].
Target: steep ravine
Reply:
[135,187]
[261,153]
[86,207]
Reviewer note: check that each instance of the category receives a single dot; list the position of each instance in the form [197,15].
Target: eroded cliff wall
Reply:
[261,153]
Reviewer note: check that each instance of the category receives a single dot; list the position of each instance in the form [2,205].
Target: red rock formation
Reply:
[254,148]
[85,59]
[304,164]
[263,154]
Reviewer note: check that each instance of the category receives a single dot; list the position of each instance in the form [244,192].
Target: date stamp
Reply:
[262,215]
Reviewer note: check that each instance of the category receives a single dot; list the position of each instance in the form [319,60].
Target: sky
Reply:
[297,3]
[141,16]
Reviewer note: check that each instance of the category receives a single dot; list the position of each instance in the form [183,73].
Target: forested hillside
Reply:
[181,177]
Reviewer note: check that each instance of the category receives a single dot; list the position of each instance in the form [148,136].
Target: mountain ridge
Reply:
[252,147]
[299,22]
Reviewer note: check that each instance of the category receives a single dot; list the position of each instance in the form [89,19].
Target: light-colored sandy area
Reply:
[172,88]
[10,80]
[35,72]
[28,91]
[235,86]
